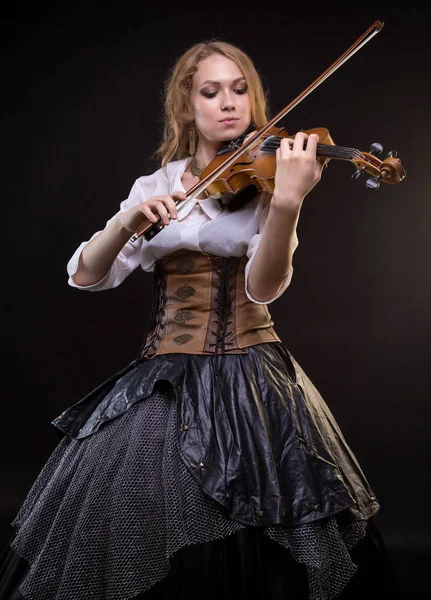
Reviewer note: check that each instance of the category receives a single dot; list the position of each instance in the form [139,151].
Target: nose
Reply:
[228,102]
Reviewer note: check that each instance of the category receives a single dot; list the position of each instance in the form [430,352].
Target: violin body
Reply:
[255,167]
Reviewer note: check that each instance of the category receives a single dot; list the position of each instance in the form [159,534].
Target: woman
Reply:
[209,466]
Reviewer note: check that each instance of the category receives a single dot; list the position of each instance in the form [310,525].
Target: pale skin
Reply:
[219,92]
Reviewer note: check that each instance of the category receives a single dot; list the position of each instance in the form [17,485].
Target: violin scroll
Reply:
[388,170]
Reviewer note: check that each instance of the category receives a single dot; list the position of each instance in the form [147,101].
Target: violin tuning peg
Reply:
[376,148]
[373,183]
[358,172]
[392,153]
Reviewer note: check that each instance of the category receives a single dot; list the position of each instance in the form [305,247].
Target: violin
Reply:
[257,166]
[252,164]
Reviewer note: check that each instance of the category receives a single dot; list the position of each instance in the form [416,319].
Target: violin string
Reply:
[272,143]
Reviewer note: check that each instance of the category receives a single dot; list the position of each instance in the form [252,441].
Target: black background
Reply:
[82,98]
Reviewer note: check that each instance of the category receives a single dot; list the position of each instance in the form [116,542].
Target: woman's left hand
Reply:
[297,170]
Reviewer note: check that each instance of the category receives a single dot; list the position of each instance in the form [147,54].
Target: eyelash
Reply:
[213,94]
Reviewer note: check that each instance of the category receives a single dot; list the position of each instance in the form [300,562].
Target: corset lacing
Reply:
[224,311]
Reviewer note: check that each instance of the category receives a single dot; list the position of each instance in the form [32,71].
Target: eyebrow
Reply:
[218,82]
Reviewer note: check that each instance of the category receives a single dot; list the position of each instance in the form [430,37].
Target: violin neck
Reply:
[340,152]
[272,142]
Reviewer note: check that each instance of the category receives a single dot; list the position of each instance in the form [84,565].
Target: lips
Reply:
[229,120]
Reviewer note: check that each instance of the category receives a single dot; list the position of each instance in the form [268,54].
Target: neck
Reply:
[206,151]
[202,159]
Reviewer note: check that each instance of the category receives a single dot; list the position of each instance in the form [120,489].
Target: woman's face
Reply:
[220,100]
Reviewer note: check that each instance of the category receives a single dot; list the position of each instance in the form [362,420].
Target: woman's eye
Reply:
[213,94]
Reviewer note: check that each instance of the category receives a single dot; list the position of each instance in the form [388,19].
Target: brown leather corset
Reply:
[200,307]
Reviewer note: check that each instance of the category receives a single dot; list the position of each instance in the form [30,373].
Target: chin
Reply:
[232,133]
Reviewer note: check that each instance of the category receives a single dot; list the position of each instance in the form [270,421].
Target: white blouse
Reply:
[202,225]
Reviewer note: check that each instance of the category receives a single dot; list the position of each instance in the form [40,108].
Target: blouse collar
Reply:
[210,205]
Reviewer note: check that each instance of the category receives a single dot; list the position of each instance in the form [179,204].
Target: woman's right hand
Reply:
[153,209]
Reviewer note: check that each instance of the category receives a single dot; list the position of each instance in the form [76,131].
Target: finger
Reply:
[299,143]
[176,196]
[171,203]
[162,210]
[311,148]
[149,213]
[285,146]
[170,206]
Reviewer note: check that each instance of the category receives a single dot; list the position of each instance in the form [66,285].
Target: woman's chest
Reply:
[226,234]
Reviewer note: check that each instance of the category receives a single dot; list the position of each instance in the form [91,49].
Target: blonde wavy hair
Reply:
[175,144]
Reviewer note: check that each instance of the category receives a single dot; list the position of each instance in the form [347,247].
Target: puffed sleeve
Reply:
[251,251]
[130,256]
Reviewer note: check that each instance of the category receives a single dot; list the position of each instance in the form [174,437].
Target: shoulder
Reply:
[163,175]
[176,165]
[159,181]
[171,168]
